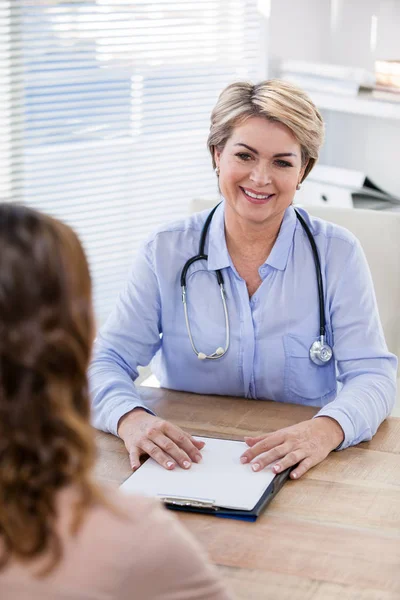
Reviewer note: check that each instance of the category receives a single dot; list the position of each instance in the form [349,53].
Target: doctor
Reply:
[278,305]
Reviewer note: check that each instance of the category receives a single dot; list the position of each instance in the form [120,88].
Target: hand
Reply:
[144,433]
[306,443]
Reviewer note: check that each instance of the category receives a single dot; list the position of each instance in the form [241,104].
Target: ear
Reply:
[217,156]
[302,171]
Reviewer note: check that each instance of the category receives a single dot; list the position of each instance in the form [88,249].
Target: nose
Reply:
[260,175]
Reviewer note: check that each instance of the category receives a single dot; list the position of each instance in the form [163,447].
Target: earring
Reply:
[217,171]
[298,186]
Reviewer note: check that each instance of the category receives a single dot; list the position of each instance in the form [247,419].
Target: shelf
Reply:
[358,105]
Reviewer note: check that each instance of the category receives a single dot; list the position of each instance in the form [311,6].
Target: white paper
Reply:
[220,477]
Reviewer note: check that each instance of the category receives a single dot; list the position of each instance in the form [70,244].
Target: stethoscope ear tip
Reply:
[201,356]
[219,351]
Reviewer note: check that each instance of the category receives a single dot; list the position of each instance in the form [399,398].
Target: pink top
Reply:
[144,554]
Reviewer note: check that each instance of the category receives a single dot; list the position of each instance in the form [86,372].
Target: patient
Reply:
[61,534]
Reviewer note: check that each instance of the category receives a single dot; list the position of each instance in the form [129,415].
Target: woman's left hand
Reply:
[306,443]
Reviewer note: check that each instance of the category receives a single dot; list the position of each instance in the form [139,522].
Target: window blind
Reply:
[105,116]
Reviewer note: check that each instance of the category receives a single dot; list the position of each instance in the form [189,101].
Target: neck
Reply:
[252,240]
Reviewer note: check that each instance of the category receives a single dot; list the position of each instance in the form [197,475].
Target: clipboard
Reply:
[209,508]
[219,486]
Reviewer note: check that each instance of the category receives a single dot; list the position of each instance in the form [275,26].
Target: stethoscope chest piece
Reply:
[320,352]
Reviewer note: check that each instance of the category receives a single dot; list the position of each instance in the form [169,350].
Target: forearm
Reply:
[113,394]
[367,370]
[361,406]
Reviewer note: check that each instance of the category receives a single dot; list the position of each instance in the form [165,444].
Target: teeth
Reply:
[256,196]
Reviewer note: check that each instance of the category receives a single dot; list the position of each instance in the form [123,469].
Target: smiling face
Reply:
[259,169]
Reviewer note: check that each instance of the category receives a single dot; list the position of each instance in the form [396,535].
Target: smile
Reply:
[256,197]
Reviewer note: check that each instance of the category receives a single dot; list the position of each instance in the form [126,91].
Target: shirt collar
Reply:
[218,255]
[279,254]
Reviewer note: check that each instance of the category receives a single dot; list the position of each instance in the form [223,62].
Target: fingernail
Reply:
[186,464]
[277,468]
[198,457]
[244,459]
[170,464]
[255,467]
[294,475]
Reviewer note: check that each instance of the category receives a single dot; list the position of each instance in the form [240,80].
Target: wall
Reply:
[342,32]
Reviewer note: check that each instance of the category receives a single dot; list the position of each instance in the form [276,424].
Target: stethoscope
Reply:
[320,352]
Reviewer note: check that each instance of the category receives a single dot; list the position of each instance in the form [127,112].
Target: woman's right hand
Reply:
[144,433]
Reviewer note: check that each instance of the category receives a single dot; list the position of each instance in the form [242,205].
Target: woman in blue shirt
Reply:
[264,140]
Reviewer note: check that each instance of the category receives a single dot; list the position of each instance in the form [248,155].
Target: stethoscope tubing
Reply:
[201,255]
[322,320]
[320,352]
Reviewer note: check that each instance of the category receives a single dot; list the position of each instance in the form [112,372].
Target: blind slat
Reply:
[107,107]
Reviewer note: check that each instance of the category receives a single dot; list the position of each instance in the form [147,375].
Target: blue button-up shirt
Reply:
[270,334]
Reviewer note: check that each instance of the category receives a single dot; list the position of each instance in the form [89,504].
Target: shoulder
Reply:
[128,510]
[335,243]
[115,514]
[155,543]
[190,225]
[327,230]
[174,241]
[128,517]
[153,525]
[128,525]
[341,254]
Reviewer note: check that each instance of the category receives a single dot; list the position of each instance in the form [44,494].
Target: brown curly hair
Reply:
[46,331]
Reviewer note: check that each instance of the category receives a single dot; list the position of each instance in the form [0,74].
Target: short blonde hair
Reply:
[276,100]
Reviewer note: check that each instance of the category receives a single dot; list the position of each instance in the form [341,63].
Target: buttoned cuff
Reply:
[344,421]
[121,410]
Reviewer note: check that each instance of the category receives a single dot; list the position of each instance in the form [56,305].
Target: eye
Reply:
[283,163]
[244,156]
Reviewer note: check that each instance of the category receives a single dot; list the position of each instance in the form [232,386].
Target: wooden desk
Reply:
[334,534]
